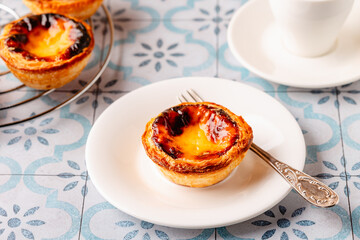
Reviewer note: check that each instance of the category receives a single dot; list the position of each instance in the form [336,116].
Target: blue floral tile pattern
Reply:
[19,223]
[152,56]
[45,189]
[158,56]
[293,218]
[73,182]
[35,219]
[123,226]
[145,226]
[284,223]
[31,133]
[320,147]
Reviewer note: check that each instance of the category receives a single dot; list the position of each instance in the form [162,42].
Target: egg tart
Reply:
[46,51]
[80,9]
[197,144]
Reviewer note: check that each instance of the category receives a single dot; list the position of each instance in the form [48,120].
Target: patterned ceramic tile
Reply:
[105,99]
[13,112]
[46,140]
[9,166]
[165,53]
[320,126]
[350,113]
[131,10]
[229,7]
[294,218]
[41,217]
[8,81]
[182,10]
[129,19]
[352,165]
[354,189]
[98,211]
[12,98]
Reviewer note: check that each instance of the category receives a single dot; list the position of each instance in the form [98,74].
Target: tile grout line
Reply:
[345,169]
[83,206]
[93,121]
[97,82]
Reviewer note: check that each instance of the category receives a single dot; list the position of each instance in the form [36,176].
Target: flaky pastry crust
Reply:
[80,9]
[46,71]
[229,135]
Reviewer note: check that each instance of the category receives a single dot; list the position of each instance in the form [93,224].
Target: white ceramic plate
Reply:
[254,40]
[121,171]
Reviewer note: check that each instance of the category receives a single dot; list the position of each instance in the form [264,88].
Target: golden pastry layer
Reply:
[197,144]
[80,9]
[46,51]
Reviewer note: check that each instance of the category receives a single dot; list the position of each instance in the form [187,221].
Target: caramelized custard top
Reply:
[48,37]
[194,131]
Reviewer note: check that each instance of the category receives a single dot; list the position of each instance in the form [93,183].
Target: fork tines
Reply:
[190,96]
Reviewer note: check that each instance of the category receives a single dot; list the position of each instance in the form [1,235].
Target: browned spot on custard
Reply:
[204,122]
[21,31]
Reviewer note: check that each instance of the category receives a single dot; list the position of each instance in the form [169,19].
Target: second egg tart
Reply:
[197,144]
[46,51]
[79,9]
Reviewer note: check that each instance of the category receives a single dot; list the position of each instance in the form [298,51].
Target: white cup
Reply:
[309,28]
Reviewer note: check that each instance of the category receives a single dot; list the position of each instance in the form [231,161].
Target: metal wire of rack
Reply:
[89,84]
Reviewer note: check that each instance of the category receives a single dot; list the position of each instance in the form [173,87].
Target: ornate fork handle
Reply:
[308,187]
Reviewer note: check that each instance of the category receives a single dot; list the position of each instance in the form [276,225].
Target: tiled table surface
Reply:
[45,191]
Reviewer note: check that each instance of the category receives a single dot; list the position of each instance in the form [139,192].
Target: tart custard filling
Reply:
[194,131]
[48,37]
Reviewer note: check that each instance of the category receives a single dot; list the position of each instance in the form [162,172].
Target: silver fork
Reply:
[312,190]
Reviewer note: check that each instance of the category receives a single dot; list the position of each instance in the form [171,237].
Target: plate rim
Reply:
[186,226]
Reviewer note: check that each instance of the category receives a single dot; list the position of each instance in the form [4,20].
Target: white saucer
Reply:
[125,176]
[254,40]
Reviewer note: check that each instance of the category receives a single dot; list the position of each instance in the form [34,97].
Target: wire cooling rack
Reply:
[30,102]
